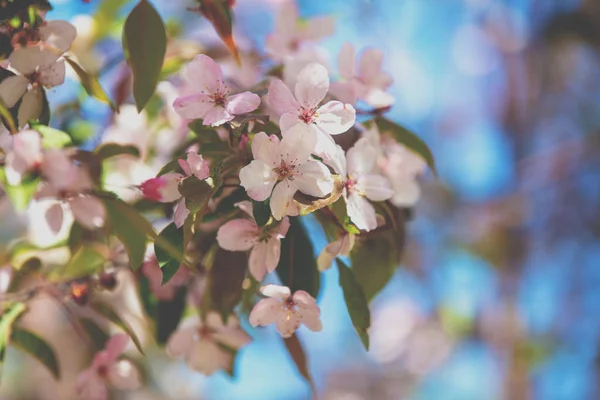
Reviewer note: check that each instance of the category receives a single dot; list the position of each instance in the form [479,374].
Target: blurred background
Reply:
[498,294]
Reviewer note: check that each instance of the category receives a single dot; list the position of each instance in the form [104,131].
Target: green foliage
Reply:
[113,317]
[225,279]
[197,193]
[144,44]
[36,347]
[86,260]
[109,150]
[408,139]
[261,211]
[356,302]
[167,263]
[52,138]
[8,317]
[96,334]
[297,266]
[90,83]
[7,118]
[294,348]
[168,315]
[20,195]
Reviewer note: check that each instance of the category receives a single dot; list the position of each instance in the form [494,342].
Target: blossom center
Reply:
[350,184]
[308,115]
[285,171]
[219,98]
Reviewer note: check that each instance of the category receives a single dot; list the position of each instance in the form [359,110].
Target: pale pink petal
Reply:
[346,92]
[181,213]
[289,121]
[281,99]
[197,165]
[336,117]
[27,59]
[266,148]
[377,98]
[232,337]
[264,258]
[314,179]
[361,158]
[347,244]
[361,212]
[374,187]
[207,357]
[329,253]
[242,103]
[287,323]
[325,145]
[311,320]
[276,291]
[281,199]
[297,145]
[204,73]
[88,211]
[308,310]
[370,64]
[163,188]
[193,106]
[336,160]
[31,106]
[59,34]
[312,85]
[265,312]
[26,154]
[92,387]
[180,342]
[247,207]
[287,20]
[53,74]
[347,61]
[115,347]
[305,300]
[283,228]
[258,178]
[124,375]
[406,192]
[238,235]
[54,217]
[319,27]
[12,89]
[217,116]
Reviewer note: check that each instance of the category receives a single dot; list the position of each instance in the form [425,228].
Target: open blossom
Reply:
[302,111]
[201,343]
[400,165]
[368,83]
[58,35]
[362,183]
[108,371]
[165,188]
[70,185]
[37,67]
[244,234]
[339,247]
[213,104]
[290,32]
[284,167]
[24,156]
[286,311]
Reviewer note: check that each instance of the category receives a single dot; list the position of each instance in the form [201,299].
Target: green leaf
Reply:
[7,319]
[44,117]
[408,139]
[114,149]
[131,228]
[36,347]
[113,317]
[52,138]
[261,211]
[197,193]
[144,44]
[95,333]
[356,302]
[167,263]
[20,195]
[168,315]
[90,83]
[7,118]
[171,166]
[341,214]
[294,348]
[297,266]
[225,280]
[86,260]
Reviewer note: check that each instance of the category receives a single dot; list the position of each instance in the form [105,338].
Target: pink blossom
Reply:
[154,274]
[286,311]
[302,111]
[58,35]
[107,370]
[281,168]
[362,183]
[25,155]
[339,247]
[368,83]
[200,343]
[244,234]
[70,184]
[213,104]
[291,32]
[400,165]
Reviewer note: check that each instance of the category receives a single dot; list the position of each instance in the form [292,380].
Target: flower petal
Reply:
[217,116]
[12,89]
[203,72]
[193,106]
[370,64]
[181,213]
[238,235]
[312,85]
[361,212]
[406,192]
[264,312]
[59,34]
[54,217]
[287,323]
[314,179]
[247,207]
[336,117]
[242,103]
[281,99]
[53,74]
[276,291]
[25,155]
[281,199]
[258,179]
[264,258]
[197,165]
[124,375]
[361,158]
[284,226]
[180,342]
[374,187]
[297,145]
[27,59]
[266,148]
[207,357]
[234,338]
[90,386]
[88,211]
[115,347]
[347,61]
